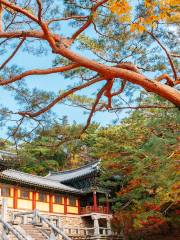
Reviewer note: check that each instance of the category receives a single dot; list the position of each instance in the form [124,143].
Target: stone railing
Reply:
[7,229]
[91,209]
[87,231]
[28,217]
[35,218]
[53,223]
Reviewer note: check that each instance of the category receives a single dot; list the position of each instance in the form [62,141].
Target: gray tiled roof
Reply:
[7,154]
[68,175]
[34,180]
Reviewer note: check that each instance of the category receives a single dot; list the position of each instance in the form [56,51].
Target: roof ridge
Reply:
[30,174]
[74,169]
[3,173]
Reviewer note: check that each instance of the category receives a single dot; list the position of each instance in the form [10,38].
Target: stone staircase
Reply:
[96,238]
[41,233]
[36,233]
[30,231]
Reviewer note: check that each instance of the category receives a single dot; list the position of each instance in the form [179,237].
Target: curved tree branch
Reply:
[66,19]
[162,90]
[13,54]
[89,21]
[39,72]
[166,52]
[60,98]
[93,110]
[1,14]
[19,9]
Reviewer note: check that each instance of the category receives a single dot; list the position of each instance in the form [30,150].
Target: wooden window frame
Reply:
[6,188]
[46,194]
[74,199]
[22,197]
[61,199]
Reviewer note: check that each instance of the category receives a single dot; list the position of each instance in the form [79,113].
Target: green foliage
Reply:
[139,163]
[139,159]
[55,148]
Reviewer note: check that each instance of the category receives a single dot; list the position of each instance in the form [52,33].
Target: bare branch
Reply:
[108,72]
[169,80]
[18,126]
[66,19]
[13,54]
[121,89]
[93,110]
[18,34]
[175,55]
[143,107]
[167,54]
[89,21]
[18,9]
[1,13]
[60,98]
[39,10]
[39,72]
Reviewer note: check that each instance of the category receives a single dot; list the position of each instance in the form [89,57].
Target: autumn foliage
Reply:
[154,12]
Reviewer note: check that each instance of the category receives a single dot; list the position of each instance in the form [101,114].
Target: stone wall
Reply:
[65,221]
[72,221]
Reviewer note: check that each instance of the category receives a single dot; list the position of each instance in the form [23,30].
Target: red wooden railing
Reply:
[90,209]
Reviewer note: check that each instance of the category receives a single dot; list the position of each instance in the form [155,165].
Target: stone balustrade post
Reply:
[109,232]
[35,217]
[4,216]
[96,224]
[58,222]
[52,236]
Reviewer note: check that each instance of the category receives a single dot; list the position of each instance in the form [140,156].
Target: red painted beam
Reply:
[15,198]
[51,203]
[79,206]
[65,205]
[34,200]
[95,202]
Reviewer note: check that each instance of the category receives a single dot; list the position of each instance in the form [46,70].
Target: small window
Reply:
[72,201]
[24,194]
[5,192]
[58,199]
[42,197]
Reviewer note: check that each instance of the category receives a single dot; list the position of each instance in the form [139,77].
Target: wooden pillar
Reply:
[95,201]
[79,206]
[50,203]
[34,200]
[65,205]
[15,198]
[107,204]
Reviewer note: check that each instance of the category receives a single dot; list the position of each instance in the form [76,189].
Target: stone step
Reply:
[95,238]
[33,232]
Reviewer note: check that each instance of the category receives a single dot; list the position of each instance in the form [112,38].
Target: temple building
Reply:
[71,195]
